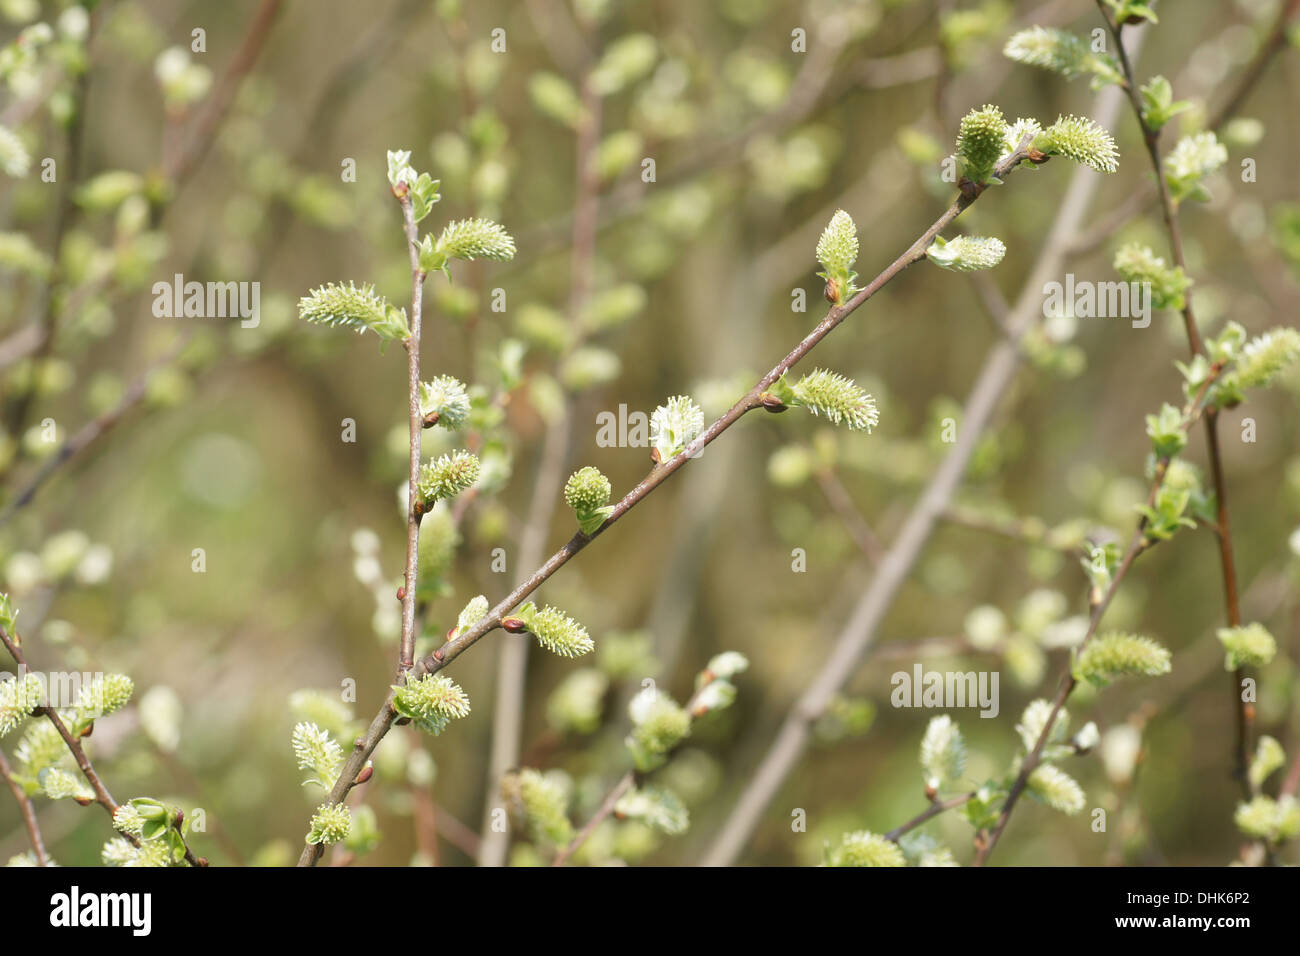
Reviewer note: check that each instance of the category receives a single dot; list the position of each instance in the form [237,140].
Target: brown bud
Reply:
[180,819]
[514,625]
[419,508]
[402,721]
[430,419]
[655,456]
[832,292]
[87,730]
[202,861]
[1037,156]
[401,593]
[83,801]
[931,793]
[365,774]
[1248,710]
[772,403]
[968,189]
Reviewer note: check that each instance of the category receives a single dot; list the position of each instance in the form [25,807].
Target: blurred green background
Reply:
[237,449]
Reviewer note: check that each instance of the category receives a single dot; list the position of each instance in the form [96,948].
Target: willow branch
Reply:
[379,726]
[1139,200]
[1138,544]
[1222,530]
[406,656]
[606,808]
[935,808]
[102,796]
[27,810]
[837,496]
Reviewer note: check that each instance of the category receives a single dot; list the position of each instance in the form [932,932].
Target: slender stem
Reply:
[406,658]
[27,810]
[935,808]
[658,474]
[606,808]
[625,783]
[1244,711]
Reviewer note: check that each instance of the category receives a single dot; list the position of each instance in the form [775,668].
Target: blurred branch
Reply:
[805,93]
[46,319]
[512,668]
[854,523]
[27,810]
[178,164]
[91,432]
[606,808]
[1025,530]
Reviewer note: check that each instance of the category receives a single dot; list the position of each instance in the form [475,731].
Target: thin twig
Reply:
[606,808]
[935,808]
[406,656]
[1150,136]
[27,810]
[179,164]
[102,796]
[89,434]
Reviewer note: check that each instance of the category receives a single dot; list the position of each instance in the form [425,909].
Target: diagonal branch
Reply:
[102,796]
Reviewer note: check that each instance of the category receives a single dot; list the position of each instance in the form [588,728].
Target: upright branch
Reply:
[411,343]
[1144,537]
[1150,119]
